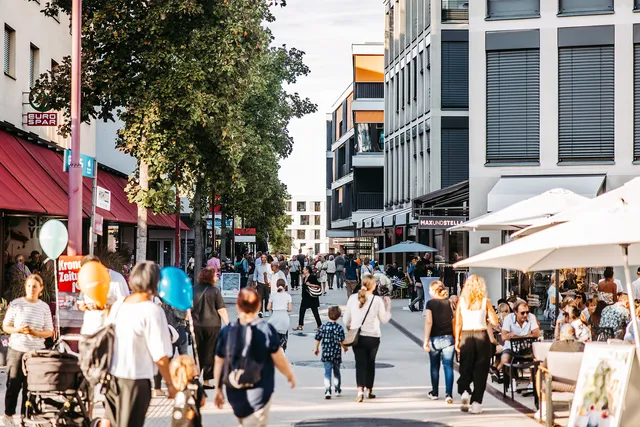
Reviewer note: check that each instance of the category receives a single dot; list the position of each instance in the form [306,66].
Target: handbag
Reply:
[314,290]
[352,336]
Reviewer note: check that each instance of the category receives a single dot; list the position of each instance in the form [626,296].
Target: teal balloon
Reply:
[175,288]
[53,238]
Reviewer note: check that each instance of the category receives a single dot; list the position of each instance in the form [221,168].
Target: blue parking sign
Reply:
[87,163]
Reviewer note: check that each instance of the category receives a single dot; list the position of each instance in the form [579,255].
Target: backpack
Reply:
[241,370]
[95,354]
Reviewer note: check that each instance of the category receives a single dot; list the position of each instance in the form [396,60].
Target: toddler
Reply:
[190,396]
[331,334]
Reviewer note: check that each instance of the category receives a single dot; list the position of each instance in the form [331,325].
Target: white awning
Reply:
[513,189]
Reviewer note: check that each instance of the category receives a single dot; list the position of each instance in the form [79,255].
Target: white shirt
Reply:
[142,338]
[331,266]
[274,280]
[583,333]
[260,270]
[94,319]
[618,285]
[354,315]
[512,326]
[36,315]
[366,269]
[280,306]
[635,287]
[294,266]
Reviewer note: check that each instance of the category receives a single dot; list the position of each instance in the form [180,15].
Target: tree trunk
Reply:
[141,238]
[197,224]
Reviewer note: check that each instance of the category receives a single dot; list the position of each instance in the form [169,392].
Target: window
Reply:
[584,6]
[455,74]
[288,206]
[455,150]
[317,206]
[34,56]
[300,234]
[586,103]
[415,78]
[304,219]
[402,92]
[397,86]
[9,51]
[636,101]
[316,248]
[513,105]
[455,10]
[316,235]
[369,137]
[288,232]
[301,206]
[316,220]
[505,9]
[409,80]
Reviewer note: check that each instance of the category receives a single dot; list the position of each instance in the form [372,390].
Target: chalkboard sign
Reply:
[230,284]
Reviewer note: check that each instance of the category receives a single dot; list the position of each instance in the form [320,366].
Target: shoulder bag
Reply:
[314,290]
[353,334]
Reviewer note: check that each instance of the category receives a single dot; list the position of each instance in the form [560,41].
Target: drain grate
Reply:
[367,422]
[345,365]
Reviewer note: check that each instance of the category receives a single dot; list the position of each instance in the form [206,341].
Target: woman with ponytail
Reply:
[366,311]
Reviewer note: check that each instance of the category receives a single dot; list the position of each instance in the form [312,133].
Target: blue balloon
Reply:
[175,288]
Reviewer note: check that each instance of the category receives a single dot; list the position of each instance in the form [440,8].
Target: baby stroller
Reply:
[57,393]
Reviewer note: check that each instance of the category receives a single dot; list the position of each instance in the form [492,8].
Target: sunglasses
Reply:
[524,312]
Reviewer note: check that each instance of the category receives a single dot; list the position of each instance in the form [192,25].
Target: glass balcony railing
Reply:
[455,10]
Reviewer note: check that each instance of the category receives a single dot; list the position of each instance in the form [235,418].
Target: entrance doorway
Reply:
[160,252]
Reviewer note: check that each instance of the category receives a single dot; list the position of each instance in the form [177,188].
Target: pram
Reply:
[57,393]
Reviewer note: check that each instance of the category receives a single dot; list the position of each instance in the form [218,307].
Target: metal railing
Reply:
[369,200]
[455,10]
[369,90]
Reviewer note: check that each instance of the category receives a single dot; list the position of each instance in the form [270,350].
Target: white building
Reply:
[308,227]
[555,97]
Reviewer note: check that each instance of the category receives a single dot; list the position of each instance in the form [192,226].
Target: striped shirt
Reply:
[36,315]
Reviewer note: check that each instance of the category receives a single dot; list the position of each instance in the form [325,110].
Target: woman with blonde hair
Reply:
[438,339]
[365,350]
[190,395]
[472,342]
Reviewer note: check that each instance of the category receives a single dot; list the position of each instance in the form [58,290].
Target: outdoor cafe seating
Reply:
[522,361]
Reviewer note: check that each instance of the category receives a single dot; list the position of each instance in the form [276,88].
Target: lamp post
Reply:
[75,169]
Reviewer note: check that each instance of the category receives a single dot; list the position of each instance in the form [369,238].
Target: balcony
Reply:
[369,91]
[455,11]
[369,201]
[513,9]
[580,7]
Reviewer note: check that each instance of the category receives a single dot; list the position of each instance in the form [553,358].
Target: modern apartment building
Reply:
[555,102]
[308,227]
[355,144]
[426,77]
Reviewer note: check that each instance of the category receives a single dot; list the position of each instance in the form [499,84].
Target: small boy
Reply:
[331,334]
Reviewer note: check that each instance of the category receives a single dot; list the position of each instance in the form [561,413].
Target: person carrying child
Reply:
[190,396]
[332,335]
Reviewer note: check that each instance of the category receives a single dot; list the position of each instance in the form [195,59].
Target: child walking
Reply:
[331,334]
[190,396]
[280,305]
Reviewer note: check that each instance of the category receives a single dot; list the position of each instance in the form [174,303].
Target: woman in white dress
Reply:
[322,266]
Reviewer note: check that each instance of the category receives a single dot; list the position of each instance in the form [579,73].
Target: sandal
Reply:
[298,328]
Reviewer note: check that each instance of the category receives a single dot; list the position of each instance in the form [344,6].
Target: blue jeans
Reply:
[337,382]
[441,348]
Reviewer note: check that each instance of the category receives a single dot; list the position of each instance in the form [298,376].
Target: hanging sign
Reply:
[98,224]
[103,199]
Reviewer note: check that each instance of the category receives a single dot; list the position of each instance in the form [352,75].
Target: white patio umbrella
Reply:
[606,237]
[524,213]
[630,193]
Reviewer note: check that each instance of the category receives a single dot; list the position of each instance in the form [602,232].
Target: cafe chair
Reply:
[603,334]
[558,380]
[522,360]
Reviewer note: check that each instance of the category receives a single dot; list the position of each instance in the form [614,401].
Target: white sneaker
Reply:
[464,402]
[476,408]
[8,422]
[327,394]
[432,396]
[448,399]
[543,417]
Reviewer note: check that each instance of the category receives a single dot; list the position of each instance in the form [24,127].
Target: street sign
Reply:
[219,223]
[103,199]
[98,223]
[87,163]
[42,119]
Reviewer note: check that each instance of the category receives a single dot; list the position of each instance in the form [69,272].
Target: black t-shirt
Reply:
[301,259]
[207,300]
[186,408]
[442,316]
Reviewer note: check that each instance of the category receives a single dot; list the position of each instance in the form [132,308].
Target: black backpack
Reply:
[241,369]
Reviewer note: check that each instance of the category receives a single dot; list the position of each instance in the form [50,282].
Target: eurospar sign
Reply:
[42,119]
[42,116]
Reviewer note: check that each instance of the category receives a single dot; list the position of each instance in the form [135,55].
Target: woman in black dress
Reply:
[308,300]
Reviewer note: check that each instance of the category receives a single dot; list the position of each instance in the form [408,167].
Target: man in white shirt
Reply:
[635,286]
[277,274]
[519,324]
[262,274]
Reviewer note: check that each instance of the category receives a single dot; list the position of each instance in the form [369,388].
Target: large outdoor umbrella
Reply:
[606,237]
[629,193]
[524,213]
[407,247]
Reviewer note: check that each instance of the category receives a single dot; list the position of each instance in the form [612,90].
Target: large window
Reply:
[513,105]
[509,9]
[369,137]
[455,70]
[584,6]
[455,150]
[9,51]
[301,206]
[586,103]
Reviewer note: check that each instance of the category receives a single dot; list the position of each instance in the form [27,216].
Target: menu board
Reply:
[230,284]
[601,390]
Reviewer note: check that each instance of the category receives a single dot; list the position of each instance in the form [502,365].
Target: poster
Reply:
[67,270]
[230,284]
[599,399]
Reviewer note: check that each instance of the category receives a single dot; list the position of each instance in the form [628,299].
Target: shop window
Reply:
[304,219]
[301,206]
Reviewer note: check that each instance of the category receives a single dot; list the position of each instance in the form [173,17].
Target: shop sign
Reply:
[440,222]
[42,119]
[103,199]
[86,162]
[244,231]
[371,232]
[68,269]
[98,223]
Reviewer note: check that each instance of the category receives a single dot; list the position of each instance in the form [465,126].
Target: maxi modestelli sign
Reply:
[440,222]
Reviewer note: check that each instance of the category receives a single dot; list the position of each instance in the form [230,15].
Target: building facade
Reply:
[355,149]
[555,91]
[426,128]
[308,228]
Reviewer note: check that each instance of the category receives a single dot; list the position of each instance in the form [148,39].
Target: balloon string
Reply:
[55,275]
[193,340]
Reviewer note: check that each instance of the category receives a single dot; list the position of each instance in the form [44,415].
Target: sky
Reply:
[325,31]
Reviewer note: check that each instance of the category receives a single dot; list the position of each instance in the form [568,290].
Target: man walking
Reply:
[262,273]
[351,274]
[294,269]
[339,262]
